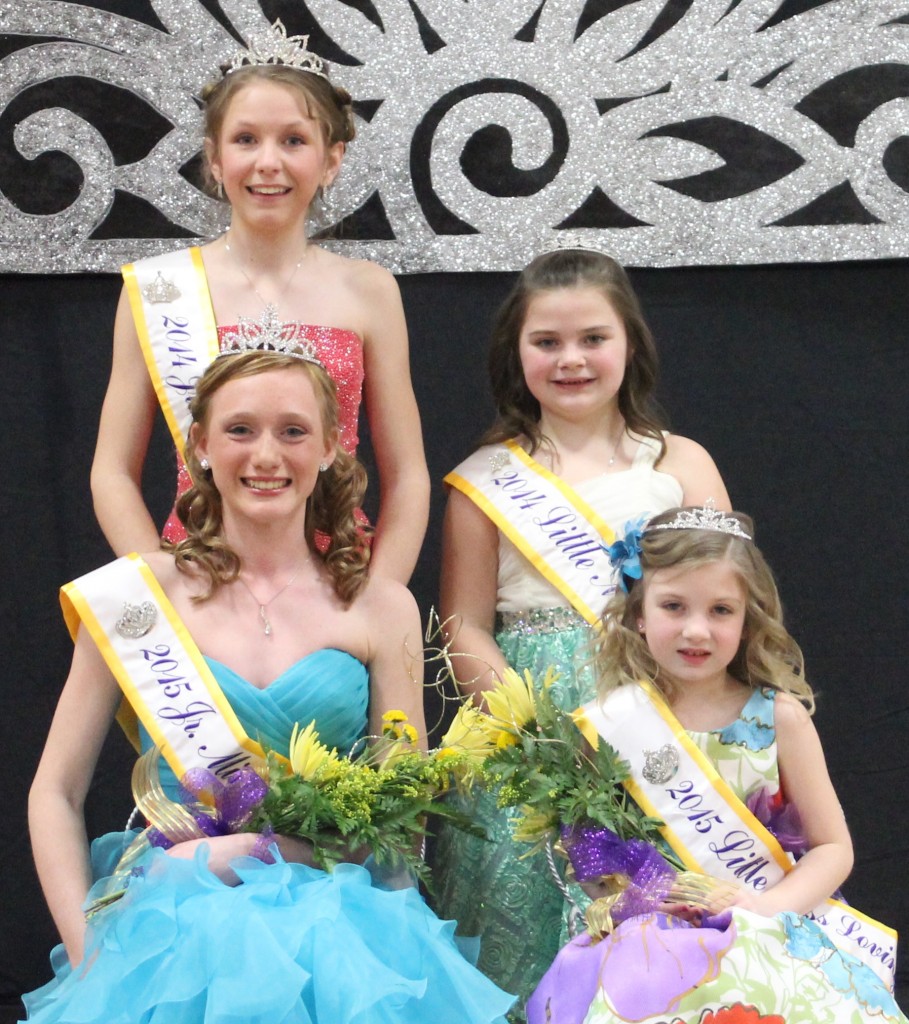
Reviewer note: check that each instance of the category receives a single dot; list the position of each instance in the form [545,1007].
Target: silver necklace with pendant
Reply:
[263,614]
[270,311]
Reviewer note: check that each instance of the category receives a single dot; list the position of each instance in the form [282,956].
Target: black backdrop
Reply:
[793,377]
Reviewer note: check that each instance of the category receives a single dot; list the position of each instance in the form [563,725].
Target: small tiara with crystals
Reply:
[706,518]
[274,46]
[563,243]
[268,334]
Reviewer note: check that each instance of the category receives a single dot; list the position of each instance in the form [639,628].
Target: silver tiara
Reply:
[274,46]
[706,518]
[563,243]
[268,334]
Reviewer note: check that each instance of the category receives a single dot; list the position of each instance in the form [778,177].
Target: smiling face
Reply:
[692,620]
[264,436]
[573,349]
[271,154]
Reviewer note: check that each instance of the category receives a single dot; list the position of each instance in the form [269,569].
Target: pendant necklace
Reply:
[266,625]
[270,312]
[615,447]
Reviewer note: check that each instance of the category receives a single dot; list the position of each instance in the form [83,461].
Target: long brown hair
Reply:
[518,411]
[767,654]
[332,506]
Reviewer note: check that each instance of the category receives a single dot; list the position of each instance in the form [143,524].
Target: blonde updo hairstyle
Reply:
[767,656]
[331,509]
[330,105]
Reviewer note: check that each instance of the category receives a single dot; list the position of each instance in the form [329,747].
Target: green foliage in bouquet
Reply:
[537,756]
[374,801]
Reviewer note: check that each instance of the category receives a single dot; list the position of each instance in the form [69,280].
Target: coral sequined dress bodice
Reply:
[341,352]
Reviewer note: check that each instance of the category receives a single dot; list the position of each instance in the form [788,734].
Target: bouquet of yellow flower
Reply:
[376,799]
[535,753]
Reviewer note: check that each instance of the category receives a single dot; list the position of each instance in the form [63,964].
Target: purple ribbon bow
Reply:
[595,850]
[219,808]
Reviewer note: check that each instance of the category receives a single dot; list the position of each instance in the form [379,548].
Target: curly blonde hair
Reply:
[332,507]
[767,655]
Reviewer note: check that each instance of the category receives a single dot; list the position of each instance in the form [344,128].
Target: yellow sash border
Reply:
[454,479]
[76,608]
[209,326]
[569,493]
[734,804]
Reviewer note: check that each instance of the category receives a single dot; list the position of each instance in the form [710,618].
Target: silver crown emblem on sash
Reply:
[499,459]
[161,290]
[136,620]
[660,765]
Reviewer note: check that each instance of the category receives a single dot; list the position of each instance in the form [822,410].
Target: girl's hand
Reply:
[693,915]
[221,851]
[757,903]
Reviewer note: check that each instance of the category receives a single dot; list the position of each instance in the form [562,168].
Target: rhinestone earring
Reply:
[205,464]
[323,466]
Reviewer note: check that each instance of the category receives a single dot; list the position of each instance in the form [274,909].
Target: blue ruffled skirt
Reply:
[289,945]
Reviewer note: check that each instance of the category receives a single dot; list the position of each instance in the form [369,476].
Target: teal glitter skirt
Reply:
[513,905]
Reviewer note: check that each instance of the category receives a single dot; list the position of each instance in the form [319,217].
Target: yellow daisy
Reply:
[307,754]
[511,701]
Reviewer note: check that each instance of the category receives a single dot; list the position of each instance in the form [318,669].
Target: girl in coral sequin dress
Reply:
[275,136]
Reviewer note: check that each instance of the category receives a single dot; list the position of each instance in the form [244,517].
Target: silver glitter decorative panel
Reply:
[671,132]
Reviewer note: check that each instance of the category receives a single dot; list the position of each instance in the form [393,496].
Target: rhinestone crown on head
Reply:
[706,518]
[274,46]
[269,334]
[560,243]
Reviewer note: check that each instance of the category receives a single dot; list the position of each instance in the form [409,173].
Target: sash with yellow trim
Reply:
[705,823]
[163,675]
[546,520]
[174,319]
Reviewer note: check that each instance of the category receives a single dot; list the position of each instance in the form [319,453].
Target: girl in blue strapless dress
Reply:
[235,928]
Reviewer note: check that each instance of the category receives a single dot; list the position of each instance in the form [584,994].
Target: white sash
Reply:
[546,520]
[705,823]
[161,671]
[175,322]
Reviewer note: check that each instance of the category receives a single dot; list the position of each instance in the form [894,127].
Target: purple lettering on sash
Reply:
[517,489]
[851,929]
[578,541]
[562,527]
[604,587]
[690,803]
[224,765]
[162,666]
[185,388]
[192,717]
[178,340]
[736,851]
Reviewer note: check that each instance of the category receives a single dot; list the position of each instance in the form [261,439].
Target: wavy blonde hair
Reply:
[767,655]
[332,507]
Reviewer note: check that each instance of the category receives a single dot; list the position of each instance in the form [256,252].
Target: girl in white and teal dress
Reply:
[577,451]
[703,693]
[221,647]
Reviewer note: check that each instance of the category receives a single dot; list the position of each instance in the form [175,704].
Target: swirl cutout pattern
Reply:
[670,133]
